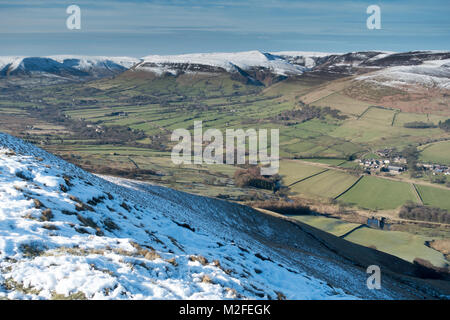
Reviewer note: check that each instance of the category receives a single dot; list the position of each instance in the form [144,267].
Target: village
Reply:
[389,162]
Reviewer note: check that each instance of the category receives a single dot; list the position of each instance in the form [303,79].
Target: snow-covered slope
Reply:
[230,62]
[65,66]
[304,58]
[429,74]
[65,232]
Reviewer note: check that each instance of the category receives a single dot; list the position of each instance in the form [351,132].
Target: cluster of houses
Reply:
[435,168]
[391,162]
[383,165]
[98,129]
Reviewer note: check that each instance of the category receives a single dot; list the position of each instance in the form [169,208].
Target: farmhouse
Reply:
[378,223]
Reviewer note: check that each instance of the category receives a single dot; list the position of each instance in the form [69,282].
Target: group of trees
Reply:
[419,125]
[251,177]
[292,207]
[445,125]
[306,112]
[124,173]
[412,211]
[411,154]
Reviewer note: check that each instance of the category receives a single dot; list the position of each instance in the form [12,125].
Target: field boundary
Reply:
[417,193]
[364,112]
[354,229]
[348,189]
[133,162]
[313,175]
[394,117]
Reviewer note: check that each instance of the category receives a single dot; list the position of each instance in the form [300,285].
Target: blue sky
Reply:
[138,28]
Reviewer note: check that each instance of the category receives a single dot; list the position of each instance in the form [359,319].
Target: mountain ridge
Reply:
[253,67]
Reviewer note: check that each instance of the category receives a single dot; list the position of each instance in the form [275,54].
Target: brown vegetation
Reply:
[292,207]
[412,211]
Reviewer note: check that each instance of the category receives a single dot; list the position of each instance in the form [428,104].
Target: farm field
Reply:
[438,152]
[293,171]
[405,117]
[380,128]
[332,162]
[328,184]
[334,226]
[343,103]
[401,244]
[435,197]
[379,194]
[379,116]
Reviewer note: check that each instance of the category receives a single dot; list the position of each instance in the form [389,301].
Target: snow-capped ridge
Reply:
[65,66]
[229,62]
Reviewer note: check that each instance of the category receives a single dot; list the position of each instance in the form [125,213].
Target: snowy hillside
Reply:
[230,62]
[429,74]
[303,58]
[65,232]
[65,66]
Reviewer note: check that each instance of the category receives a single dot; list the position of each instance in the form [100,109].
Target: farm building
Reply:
[395,169]
[378,223]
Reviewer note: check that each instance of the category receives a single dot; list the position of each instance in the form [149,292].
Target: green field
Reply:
[379,115]
[438,152]
[343,103]
[293,171]
[400,244]
[379,194]
[330,225]
[328,184]
[435,197]
[330,161]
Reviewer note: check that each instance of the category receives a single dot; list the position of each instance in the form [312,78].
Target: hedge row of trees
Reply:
[293,207]
[419,125]
[128,173]
[412,211]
